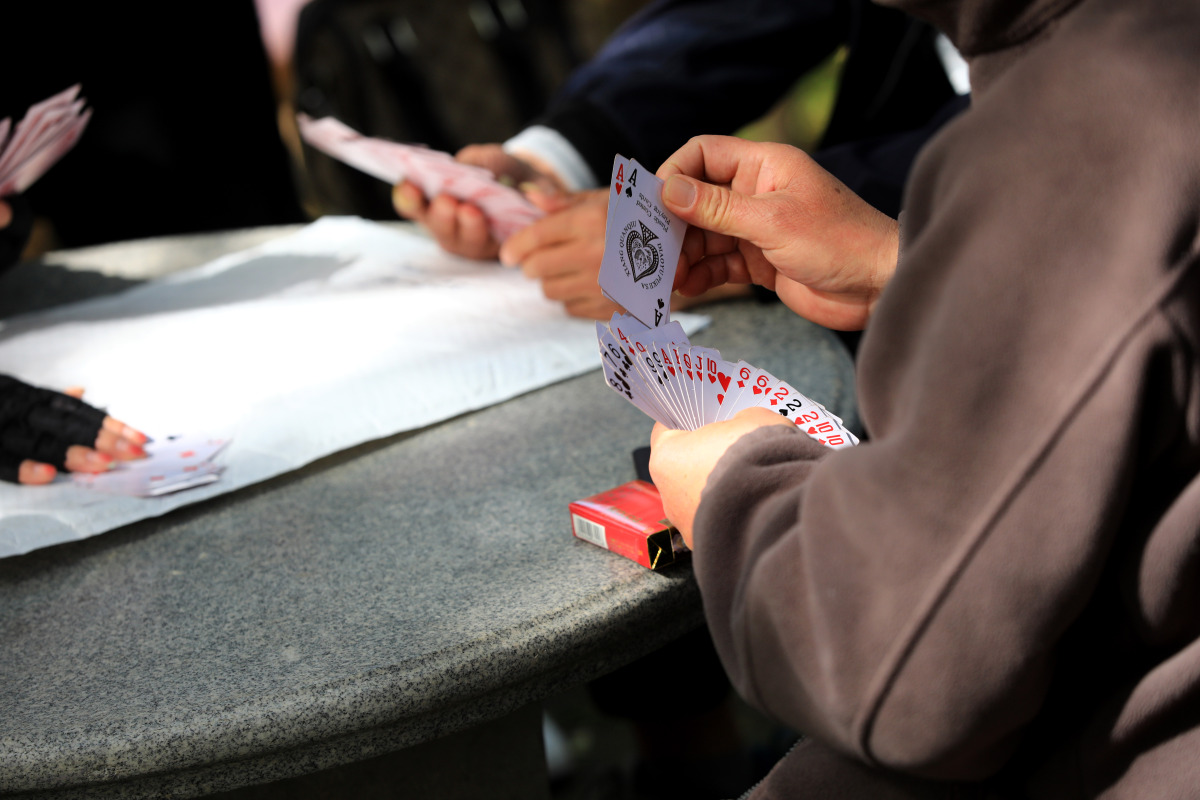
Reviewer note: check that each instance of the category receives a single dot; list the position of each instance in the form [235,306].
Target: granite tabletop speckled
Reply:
[395,592]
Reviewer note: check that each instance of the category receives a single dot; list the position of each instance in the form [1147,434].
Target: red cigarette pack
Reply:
[629,521]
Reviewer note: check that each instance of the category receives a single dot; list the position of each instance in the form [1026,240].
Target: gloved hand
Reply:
[43,431]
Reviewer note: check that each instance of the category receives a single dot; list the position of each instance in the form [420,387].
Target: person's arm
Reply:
[671,71]
[682,67]
[903,600]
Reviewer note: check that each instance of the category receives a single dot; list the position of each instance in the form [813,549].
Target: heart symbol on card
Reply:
[756,390]
[618,188]
[720,398]
[725,381]
[671,370]
[812,430]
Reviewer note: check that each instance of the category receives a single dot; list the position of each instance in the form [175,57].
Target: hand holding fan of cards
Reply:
[646,357]
[432,171]
[46,132]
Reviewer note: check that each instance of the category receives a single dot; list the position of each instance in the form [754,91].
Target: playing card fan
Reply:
[432,171]
[646,357]
[43,136]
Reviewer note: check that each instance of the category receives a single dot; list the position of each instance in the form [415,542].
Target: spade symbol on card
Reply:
[641,251]
[628,192]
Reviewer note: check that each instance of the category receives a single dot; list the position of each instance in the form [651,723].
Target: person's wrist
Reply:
[555,156]
[886,257]
[539,172]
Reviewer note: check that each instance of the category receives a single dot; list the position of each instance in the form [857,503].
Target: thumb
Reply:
[713,208]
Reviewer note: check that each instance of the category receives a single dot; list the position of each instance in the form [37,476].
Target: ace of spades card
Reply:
[642,244]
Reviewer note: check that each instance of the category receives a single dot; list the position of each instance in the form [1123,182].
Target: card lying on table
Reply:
[44,135]
[648,358]
[432,171]
[173,463]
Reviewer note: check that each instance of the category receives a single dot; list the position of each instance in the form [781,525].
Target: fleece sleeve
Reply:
[904,600]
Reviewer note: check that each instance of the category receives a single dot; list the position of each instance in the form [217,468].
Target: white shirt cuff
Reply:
[556,152]
[956,68]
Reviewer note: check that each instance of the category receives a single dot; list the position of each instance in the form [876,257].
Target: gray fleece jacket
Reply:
[999,594]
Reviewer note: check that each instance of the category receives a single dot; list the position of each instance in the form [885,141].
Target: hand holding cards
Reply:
[44,135]
[432,171]
[648,358]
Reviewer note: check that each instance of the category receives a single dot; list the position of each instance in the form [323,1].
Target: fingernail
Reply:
[404,206]
[505,258]
[679,192]
[97,460]
[128,449]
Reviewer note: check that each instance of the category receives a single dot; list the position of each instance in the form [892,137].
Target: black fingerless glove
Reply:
[40,424]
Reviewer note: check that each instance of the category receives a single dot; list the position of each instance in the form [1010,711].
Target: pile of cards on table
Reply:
[647,357]
[43,136]
[172,463]
[431,171]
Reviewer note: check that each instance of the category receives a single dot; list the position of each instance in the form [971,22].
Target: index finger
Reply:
[118,428]
[554,228]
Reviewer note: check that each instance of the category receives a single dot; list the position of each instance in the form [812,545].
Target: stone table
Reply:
[387,618]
